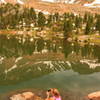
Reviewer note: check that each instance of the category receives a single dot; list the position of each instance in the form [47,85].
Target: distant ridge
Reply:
[12,1]
[61,6]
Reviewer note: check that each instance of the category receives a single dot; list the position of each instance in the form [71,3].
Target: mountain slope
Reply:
[12,1]
[74,6]
[54,1]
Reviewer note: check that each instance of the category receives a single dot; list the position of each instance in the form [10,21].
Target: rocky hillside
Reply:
[61,6]
[64,1]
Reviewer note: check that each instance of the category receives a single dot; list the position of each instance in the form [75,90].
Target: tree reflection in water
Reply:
[40,57]
[19,45]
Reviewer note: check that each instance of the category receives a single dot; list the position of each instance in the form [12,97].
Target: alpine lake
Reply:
[37,64]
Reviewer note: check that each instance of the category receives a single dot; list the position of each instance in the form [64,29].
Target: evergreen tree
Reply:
[41,20]
[50,20]
[98,24]
[88,28]
[68,27]
[78,22]
[65,16]
[89,25]
[33,14]
[57,17]
[85,18]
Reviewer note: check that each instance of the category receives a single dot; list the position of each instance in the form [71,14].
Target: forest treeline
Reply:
[17,17]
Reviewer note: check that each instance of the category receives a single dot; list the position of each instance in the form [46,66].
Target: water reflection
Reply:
[19,45]
[24,57]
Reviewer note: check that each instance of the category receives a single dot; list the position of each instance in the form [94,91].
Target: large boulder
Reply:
[25,96]
[28,95]
[94,96]
[17,97]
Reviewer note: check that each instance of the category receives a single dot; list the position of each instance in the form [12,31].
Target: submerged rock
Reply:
[25,96]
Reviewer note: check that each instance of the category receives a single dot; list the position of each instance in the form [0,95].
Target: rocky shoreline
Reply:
[25,96]
[37,94]
[29,95]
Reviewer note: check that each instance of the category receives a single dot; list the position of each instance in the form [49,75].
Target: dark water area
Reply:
[28,62]
[19,45]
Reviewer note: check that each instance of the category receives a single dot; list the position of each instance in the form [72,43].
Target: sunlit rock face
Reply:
[94,4]
[72,1]
[62,1]
[53,1]
[3,1]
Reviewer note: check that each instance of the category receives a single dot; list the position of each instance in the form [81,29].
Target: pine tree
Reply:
[78,22]
[98,24]
[32,14]
[85,17]
[65,16]
[57,17]
[50,20]
[41,20]
[89,25]
[68,27]
[87,30]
